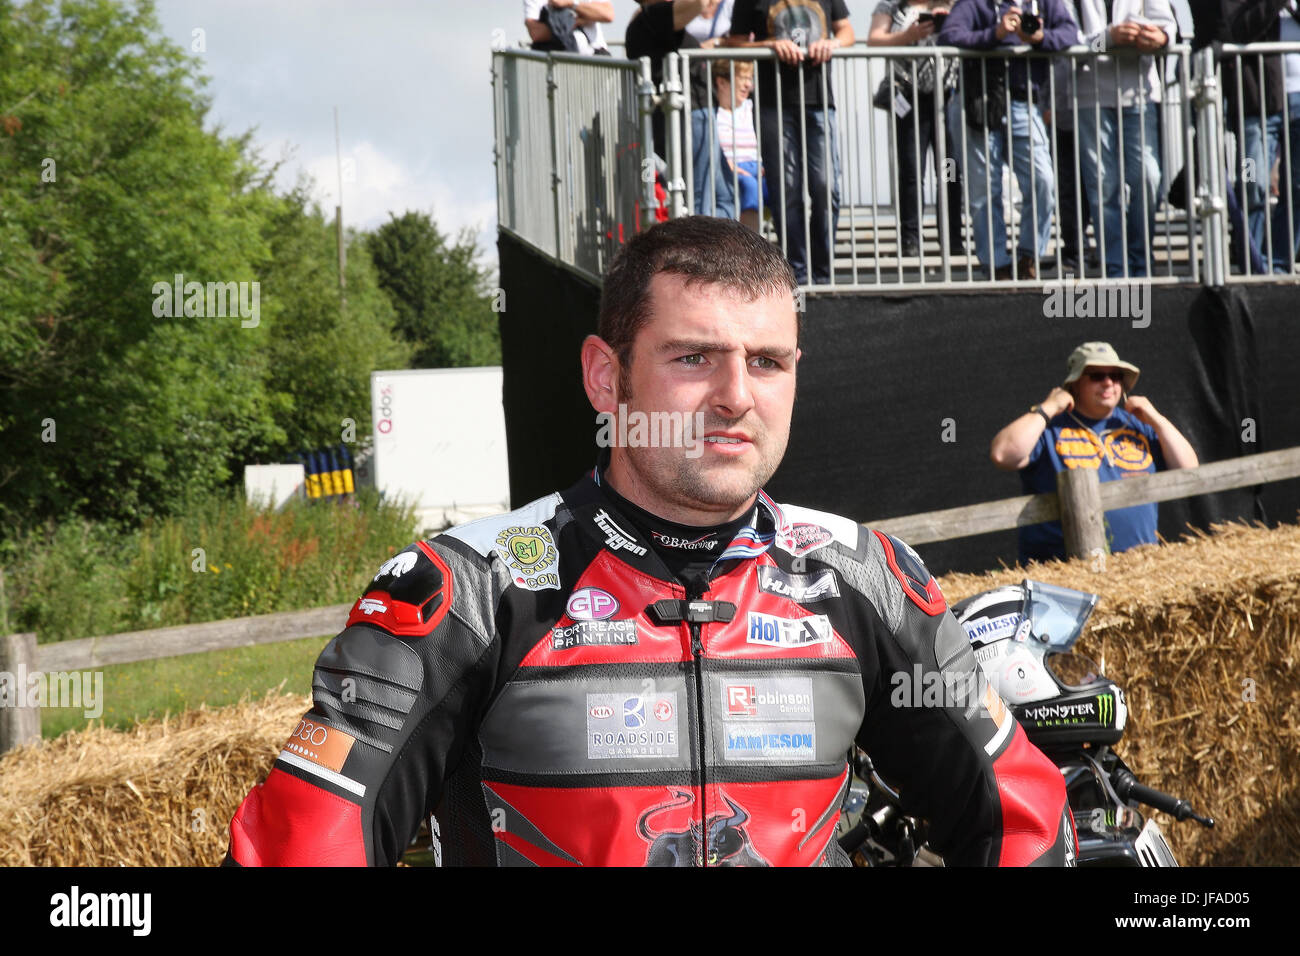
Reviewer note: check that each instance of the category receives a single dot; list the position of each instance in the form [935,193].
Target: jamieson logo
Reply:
[1106,709]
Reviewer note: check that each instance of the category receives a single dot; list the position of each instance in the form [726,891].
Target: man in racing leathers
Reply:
[659,665]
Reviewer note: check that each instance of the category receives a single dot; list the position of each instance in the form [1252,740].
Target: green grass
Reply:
[174,684]
[220,559]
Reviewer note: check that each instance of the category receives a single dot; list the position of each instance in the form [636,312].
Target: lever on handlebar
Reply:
[1128,788]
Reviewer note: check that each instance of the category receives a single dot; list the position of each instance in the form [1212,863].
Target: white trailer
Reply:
[440,442]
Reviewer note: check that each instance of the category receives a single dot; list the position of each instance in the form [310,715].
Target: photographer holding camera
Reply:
[916,23]
[1045,26]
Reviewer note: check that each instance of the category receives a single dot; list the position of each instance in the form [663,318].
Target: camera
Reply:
[1030,23]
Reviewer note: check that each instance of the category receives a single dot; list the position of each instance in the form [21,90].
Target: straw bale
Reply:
[161,794]
[1204,637]
[1181,628]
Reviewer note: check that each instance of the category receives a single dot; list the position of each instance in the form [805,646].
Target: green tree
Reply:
[108,185]
[322,352]
[439,291]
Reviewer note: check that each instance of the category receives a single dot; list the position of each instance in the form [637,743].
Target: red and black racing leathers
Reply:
[542,684]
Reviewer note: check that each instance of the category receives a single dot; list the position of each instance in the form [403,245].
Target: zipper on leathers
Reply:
[697,657]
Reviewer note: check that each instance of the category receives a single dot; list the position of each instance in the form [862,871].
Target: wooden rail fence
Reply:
[1079,503]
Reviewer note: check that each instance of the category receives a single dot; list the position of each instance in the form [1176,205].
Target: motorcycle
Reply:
[1023,637]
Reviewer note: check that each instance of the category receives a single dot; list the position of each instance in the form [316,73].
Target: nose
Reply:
[731,396]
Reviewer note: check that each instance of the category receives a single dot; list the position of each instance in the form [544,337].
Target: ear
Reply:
[600,374]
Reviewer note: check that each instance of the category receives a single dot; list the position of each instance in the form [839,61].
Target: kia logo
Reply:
[601,711]
[591,604]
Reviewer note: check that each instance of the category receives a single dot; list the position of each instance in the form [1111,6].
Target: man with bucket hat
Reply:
[1081,424]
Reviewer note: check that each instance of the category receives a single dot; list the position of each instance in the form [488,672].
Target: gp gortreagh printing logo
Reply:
[77,909]
[591,604]
[772,631]
[594,634]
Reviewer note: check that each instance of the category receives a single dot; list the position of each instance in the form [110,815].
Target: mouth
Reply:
[727,444]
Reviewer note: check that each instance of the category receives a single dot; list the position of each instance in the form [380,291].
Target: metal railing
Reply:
[869,223]
[571,151]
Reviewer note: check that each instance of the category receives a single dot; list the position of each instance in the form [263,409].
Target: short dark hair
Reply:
[704,250]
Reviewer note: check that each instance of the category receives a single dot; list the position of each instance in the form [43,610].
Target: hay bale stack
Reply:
[161,794]
[1192,632]
[1181,628]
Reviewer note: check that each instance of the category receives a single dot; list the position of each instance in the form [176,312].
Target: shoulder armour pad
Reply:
[912,574]
[409,596]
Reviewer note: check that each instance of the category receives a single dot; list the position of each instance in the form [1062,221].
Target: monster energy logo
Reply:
[1106,709]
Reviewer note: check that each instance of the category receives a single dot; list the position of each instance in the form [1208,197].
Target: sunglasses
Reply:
[1103,376]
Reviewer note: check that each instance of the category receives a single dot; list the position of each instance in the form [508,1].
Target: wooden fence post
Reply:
[1081,516]
[19,724]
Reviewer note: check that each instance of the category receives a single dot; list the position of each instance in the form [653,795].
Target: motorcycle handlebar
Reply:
[1128,788]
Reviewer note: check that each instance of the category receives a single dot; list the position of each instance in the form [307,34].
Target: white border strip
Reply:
[347,783]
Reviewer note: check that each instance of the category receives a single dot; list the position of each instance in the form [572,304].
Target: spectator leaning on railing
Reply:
[735,118]
[1123,198]
[984,25]
[1286,217]
[568,26]
[913,23]
[1258,124]
[803,35]
[657,29]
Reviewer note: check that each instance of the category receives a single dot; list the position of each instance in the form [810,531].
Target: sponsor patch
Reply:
[531,555]
[591,604]
[801,588]
[616,539]
[369,606]
[324,746]
[632,725]
[705,542]
[772,631]
[992,629]
[771,742]
[397,565]
[780,698]
[594,634]
[806,537]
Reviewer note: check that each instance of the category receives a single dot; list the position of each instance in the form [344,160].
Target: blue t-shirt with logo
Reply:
[1118,446]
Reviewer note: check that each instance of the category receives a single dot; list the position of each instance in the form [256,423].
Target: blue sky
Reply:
[411,79]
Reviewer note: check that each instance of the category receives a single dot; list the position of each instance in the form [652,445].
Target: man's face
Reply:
[704,350]
[1098,390]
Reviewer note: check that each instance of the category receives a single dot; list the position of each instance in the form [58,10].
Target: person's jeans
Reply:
[784,145]
[710,165]
[1256,138]
[1124,199]
[1074,214]
[919,124]
[1031,162]
[1284,255]
[748,181]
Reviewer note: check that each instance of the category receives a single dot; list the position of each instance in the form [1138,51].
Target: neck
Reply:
[625,481]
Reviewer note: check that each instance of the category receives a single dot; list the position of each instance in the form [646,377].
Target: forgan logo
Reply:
[74,909]
[371,606]
[213,300]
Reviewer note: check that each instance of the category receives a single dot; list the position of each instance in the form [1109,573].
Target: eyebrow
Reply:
[682,347]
